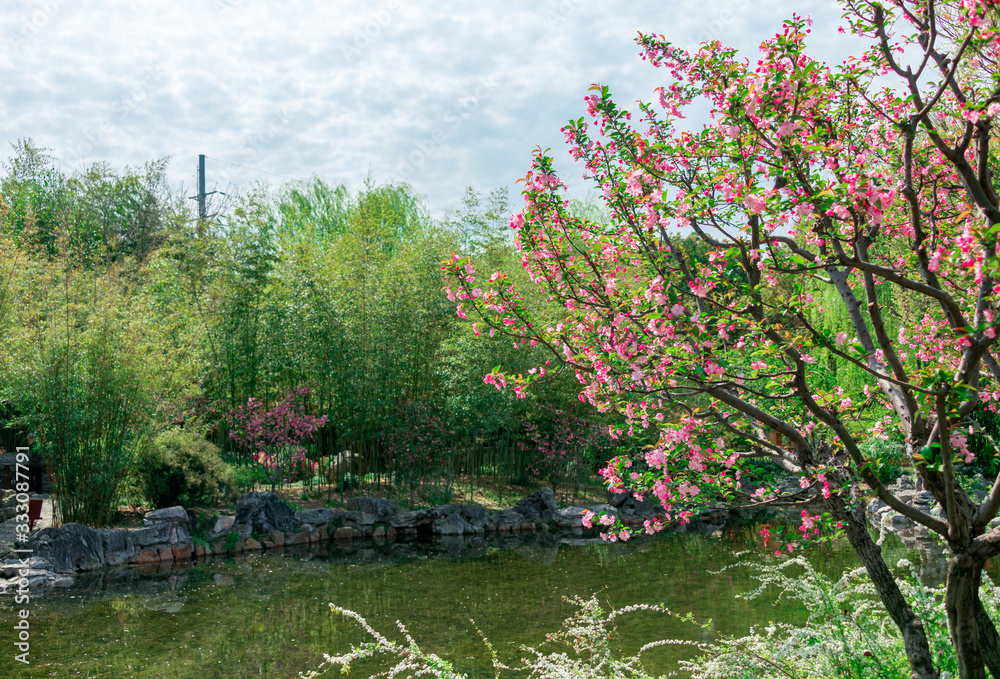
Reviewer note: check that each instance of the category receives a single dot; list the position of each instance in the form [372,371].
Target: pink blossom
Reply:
[755,203]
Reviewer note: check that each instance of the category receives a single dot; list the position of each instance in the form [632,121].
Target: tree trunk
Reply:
[989,640]
[918,651]
[961,601]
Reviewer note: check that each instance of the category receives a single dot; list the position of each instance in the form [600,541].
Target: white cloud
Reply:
[442,94]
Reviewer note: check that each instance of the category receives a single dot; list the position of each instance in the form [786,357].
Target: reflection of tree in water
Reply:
[933,560]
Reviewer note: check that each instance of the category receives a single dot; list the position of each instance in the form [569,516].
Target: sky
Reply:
[440,95]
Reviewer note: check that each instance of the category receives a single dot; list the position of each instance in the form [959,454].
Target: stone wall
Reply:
[263,522]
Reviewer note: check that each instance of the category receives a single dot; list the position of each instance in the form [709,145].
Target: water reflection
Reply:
[268,614]
[930,551]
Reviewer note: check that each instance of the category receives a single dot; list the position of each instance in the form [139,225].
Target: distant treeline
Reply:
[123,315]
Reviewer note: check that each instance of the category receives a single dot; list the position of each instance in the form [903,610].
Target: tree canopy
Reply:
[749,260]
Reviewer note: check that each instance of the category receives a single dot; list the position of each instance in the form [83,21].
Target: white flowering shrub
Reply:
[847,635]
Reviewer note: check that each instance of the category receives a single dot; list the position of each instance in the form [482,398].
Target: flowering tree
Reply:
[868,187]
[275,436]
[563,446]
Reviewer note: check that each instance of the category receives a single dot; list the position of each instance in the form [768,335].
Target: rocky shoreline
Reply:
[262,522]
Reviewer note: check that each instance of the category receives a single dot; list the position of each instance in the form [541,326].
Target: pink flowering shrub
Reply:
[275,436]
[418,442]
[560,446]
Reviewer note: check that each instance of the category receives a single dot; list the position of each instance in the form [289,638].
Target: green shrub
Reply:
[848,633]
[250,477]
[182,468]
[887,458]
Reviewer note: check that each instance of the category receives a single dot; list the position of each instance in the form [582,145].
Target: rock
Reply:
[13,569]
[301,538]
[476,518]
[384,510]
[164,603]
[405,520]
[277,537]
[899,522]
[571,517]
[626,504]
[35,573]
[874,506]
[244,530]
[344,533]
[507,518]
[265,511]
[337,467]
[361,518]
[222,524]
[60,581]
[251,545]
[115,558]
[115,540]
[539,506]
[924,497]
[69,548]
[181,552]
[315,517]
[606,509]
[146,556]
[174,515]
[451,524]
[143,537]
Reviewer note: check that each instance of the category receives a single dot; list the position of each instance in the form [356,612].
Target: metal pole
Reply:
[201,187]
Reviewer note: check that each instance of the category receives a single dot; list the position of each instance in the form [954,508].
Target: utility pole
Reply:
[202,196]
[202,214]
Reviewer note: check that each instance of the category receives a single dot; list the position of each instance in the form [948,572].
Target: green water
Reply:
[268,615]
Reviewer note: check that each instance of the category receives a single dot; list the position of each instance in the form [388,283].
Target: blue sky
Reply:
[437,94]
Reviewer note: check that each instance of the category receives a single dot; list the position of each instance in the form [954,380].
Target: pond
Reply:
[268,615]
